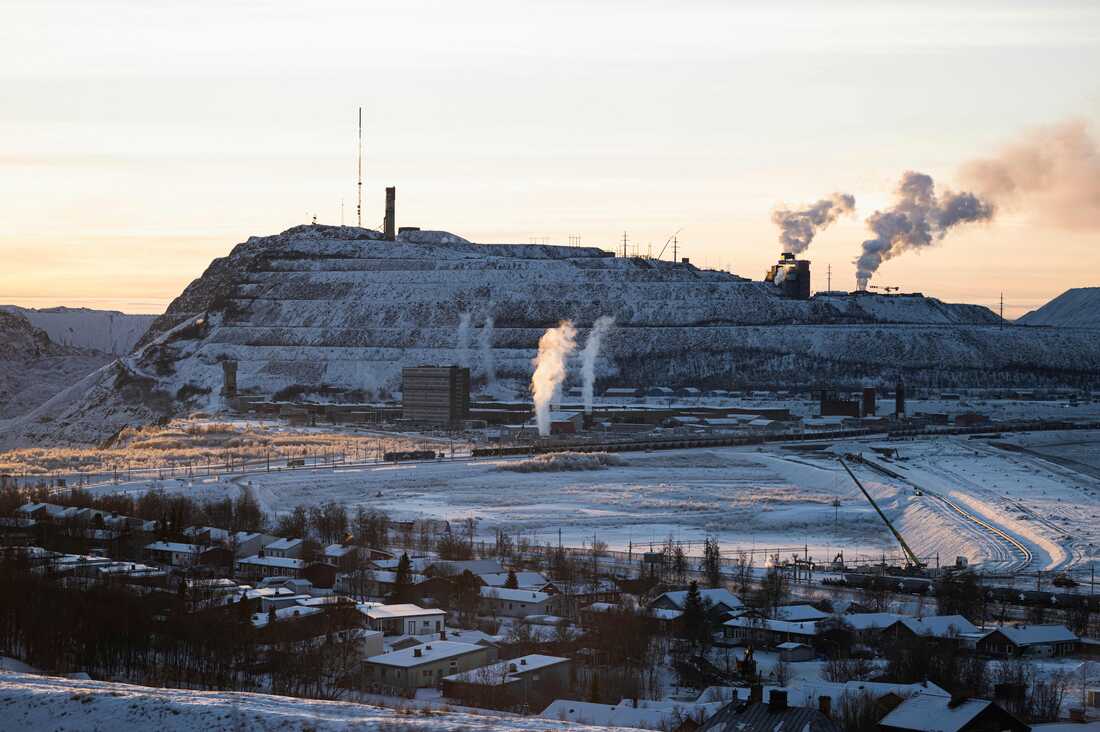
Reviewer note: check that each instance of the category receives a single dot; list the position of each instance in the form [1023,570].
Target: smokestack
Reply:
[462,340]
[918,219]
[485,345]
[798,227]
[899,400]
[391,216]
[229,378]
[555,346]
[869,401]
[588,355]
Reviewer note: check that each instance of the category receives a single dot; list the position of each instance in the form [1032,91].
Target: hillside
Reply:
[1076,308]
[103,330]
[338,310]
[33,368]
[48,702]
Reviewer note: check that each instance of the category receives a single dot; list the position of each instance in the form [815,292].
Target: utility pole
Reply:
[829,276]
[675,253]
[359,185]
[1002,310]
[624,245]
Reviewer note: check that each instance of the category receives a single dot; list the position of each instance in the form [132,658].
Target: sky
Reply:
[140,140]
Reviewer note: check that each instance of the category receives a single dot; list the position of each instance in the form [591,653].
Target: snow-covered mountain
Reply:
[341,310]
[1076,308]
[33,368]
[104,330]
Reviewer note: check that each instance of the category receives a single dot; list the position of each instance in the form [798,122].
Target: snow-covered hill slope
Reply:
[31,702]
[340,310]
[33,368]
[1076,308]
[103,330]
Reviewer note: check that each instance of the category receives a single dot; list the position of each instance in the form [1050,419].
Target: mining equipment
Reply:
[914,562]
[791,276]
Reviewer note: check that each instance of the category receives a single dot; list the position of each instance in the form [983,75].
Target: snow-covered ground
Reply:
[45,702]
[108,331]
[1001,508]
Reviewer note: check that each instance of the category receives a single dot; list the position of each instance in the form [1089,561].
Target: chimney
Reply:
[777,701]
[418,652]
[869,401]
[825,705]
[390,226]
[756,694]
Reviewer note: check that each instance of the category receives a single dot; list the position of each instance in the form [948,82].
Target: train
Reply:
[401,455]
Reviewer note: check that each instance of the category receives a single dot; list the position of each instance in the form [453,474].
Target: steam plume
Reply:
[917,219]
[485,345]
[589,354]
[1052,173]
[555,346]
[463,339]
[797,228]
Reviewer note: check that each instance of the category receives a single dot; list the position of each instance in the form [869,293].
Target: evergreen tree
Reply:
[467,594]
[402,582]
[694,622]
[712,562]
[512,583]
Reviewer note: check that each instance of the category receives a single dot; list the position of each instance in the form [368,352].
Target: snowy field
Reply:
[46,702]
[1002,503]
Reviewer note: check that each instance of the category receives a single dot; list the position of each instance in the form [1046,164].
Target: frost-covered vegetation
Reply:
[199,445]
[564,461]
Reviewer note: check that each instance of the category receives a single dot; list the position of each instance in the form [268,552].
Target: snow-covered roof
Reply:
[338,550]
[284,562]
[940,626]
[477,566]
[868,621]
[1029,635]
[562,416]
[283,544]
[934,713]
[807,627]
[405,610]
[716,596]
[503,593]
[172,546]
[425,653]
[387,577]
[799,613]
[291,612]
[505,671]
[791,646]
[524,579]
[216,534]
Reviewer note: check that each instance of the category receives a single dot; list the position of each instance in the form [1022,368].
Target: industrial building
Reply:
[791,276]
[437,395]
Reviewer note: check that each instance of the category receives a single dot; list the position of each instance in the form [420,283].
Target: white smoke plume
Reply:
[1052,174]
[588,357]
[485,345]
[797,228]
[462,338]
[918,219]
[555,346]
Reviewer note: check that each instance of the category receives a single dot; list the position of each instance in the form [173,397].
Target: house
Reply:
[719,600]
[172,553]
[1028,640]
[382,583]
[206,534]
[247,543]
[424,665]
[869,626]
[940,627]
[345,557]
[256,567]
[793,652]
[943,713]
[776,715]
[766,632]
[404,619]
[800,613]
[320,574]
[526,681]
[284,548]
[516,603]
[456,567]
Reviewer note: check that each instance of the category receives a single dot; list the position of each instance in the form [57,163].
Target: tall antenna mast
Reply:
[359,187]
[675,253]
[1002,310]
[829,275]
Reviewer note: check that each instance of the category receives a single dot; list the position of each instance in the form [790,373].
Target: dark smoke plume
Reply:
[917,219]
[1051,173]
[797,228]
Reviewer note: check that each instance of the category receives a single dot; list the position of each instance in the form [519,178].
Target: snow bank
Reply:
[46,702]
[564,461]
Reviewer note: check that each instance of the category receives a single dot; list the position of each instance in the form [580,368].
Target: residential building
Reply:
[284,548]
[1028,640]
[943,713]
[404,619]
[516,603]
[424,665]
[527,681]
[172,553]
[776,715]
[256,567]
